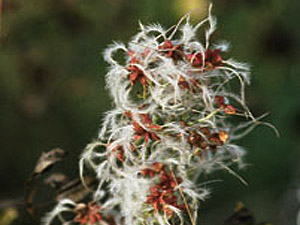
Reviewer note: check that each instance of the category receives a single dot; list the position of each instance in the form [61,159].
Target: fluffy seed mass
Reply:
[173,119]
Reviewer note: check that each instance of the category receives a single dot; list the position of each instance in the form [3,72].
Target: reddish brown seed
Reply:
[230,110]
[204,130]
[220,101]
[223,136]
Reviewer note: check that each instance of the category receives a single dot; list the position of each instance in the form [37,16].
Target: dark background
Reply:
[53,91]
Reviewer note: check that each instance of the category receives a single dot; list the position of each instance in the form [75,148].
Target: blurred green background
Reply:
[53,92]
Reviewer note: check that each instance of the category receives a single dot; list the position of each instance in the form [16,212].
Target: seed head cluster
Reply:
[175,104]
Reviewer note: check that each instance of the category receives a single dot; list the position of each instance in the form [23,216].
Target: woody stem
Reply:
[184,199]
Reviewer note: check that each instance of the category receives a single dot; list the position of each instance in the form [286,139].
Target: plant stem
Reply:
[184,199]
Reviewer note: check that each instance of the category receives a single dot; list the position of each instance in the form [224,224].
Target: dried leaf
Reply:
[75,190]
[56,180]
[47,160]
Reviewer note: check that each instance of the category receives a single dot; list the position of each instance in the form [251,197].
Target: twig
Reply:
[184,199]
